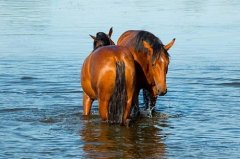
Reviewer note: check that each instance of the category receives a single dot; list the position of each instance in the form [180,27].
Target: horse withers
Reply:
[151,61]
[108,75]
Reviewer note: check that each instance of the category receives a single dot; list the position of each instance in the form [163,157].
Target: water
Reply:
[43,45]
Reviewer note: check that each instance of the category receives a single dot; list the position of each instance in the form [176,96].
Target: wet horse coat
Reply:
[108,75]
[151,61]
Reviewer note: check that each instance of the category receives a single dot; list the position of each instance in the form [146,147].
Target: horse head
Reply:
[102,39]
[158,66]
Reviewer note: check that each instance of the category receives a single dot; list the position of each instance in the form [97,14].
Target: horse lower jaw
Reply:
[163,93]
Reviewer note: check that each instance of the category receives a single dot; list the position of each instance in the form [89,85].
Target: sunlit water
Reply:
[43,45]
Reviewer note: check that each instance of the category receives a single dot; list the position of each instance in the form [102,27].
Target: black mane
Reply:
[152,40]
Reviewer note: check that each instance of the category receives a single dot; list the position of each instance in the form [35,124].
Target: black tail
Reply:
[118,99]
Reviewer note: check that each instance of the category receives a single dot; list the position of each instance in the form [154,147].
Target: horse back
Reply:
[101,67]
[127,37]
[112,54]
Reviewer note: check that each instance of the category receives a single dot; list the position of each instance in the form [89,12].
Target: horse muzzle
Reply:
[160,93]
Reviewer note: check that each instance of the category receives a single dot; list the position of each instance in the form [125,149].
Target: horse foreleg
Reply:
[149,100]
[135,107]
[146,98]
[87,104]
[153,102]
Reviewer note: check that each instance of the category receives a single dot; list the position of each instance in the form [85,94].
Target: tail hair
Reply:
[118,99]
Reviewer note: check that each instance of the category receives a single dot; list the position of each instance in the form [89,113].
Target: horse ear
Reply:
[94,38]
[110,32]
[169,45]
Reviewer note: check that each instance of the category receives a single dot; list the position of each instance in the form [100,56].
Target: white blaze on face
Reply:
[162,59]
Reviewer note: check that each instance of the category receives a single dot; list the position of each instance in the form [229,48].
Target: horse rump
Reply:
[118,100]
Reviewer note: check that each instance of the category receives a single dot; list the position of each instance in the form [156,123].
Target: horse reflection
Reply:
[104,141]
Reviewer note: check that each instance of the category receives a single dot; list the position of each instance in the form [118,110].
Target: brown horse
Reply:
[151,61]
[108,75]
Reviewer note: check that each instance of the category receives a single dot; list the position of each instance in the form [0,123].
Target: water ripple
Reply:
[41,54]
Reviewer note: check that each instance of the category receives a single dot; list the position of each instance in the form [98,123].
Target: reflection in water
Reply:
[140,141]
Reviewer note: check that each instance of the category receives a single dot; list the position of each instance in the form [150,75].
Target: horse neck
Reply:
[140,60]
[126,39]
[141,65]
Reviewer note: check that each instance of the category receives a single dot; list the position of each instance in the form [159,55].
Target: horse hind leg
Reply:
[103,109]
[127,118]
[130,88]
[87,104]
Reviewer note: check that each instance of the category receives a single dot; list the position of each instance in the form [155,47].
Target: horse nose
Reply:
[163,93]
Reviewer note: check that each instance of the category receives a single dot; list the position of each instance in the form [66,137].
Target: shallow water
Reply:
[43,45]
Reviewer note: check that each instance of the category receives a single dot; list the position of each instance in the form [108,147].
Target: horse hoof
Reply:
[86,117]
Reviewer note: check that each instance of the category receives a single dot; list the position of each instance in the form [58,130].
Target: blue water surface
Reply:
[42,48]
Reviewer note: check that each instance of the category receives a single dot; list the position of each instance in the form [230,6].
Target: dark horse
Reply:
[151,62]
[102,39]
[108,75]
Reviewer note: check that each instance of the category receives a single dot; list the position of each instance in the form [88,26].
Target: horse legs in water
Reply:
[103,106]
[135,111]
[87,104]
[149,102]
[130,86]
